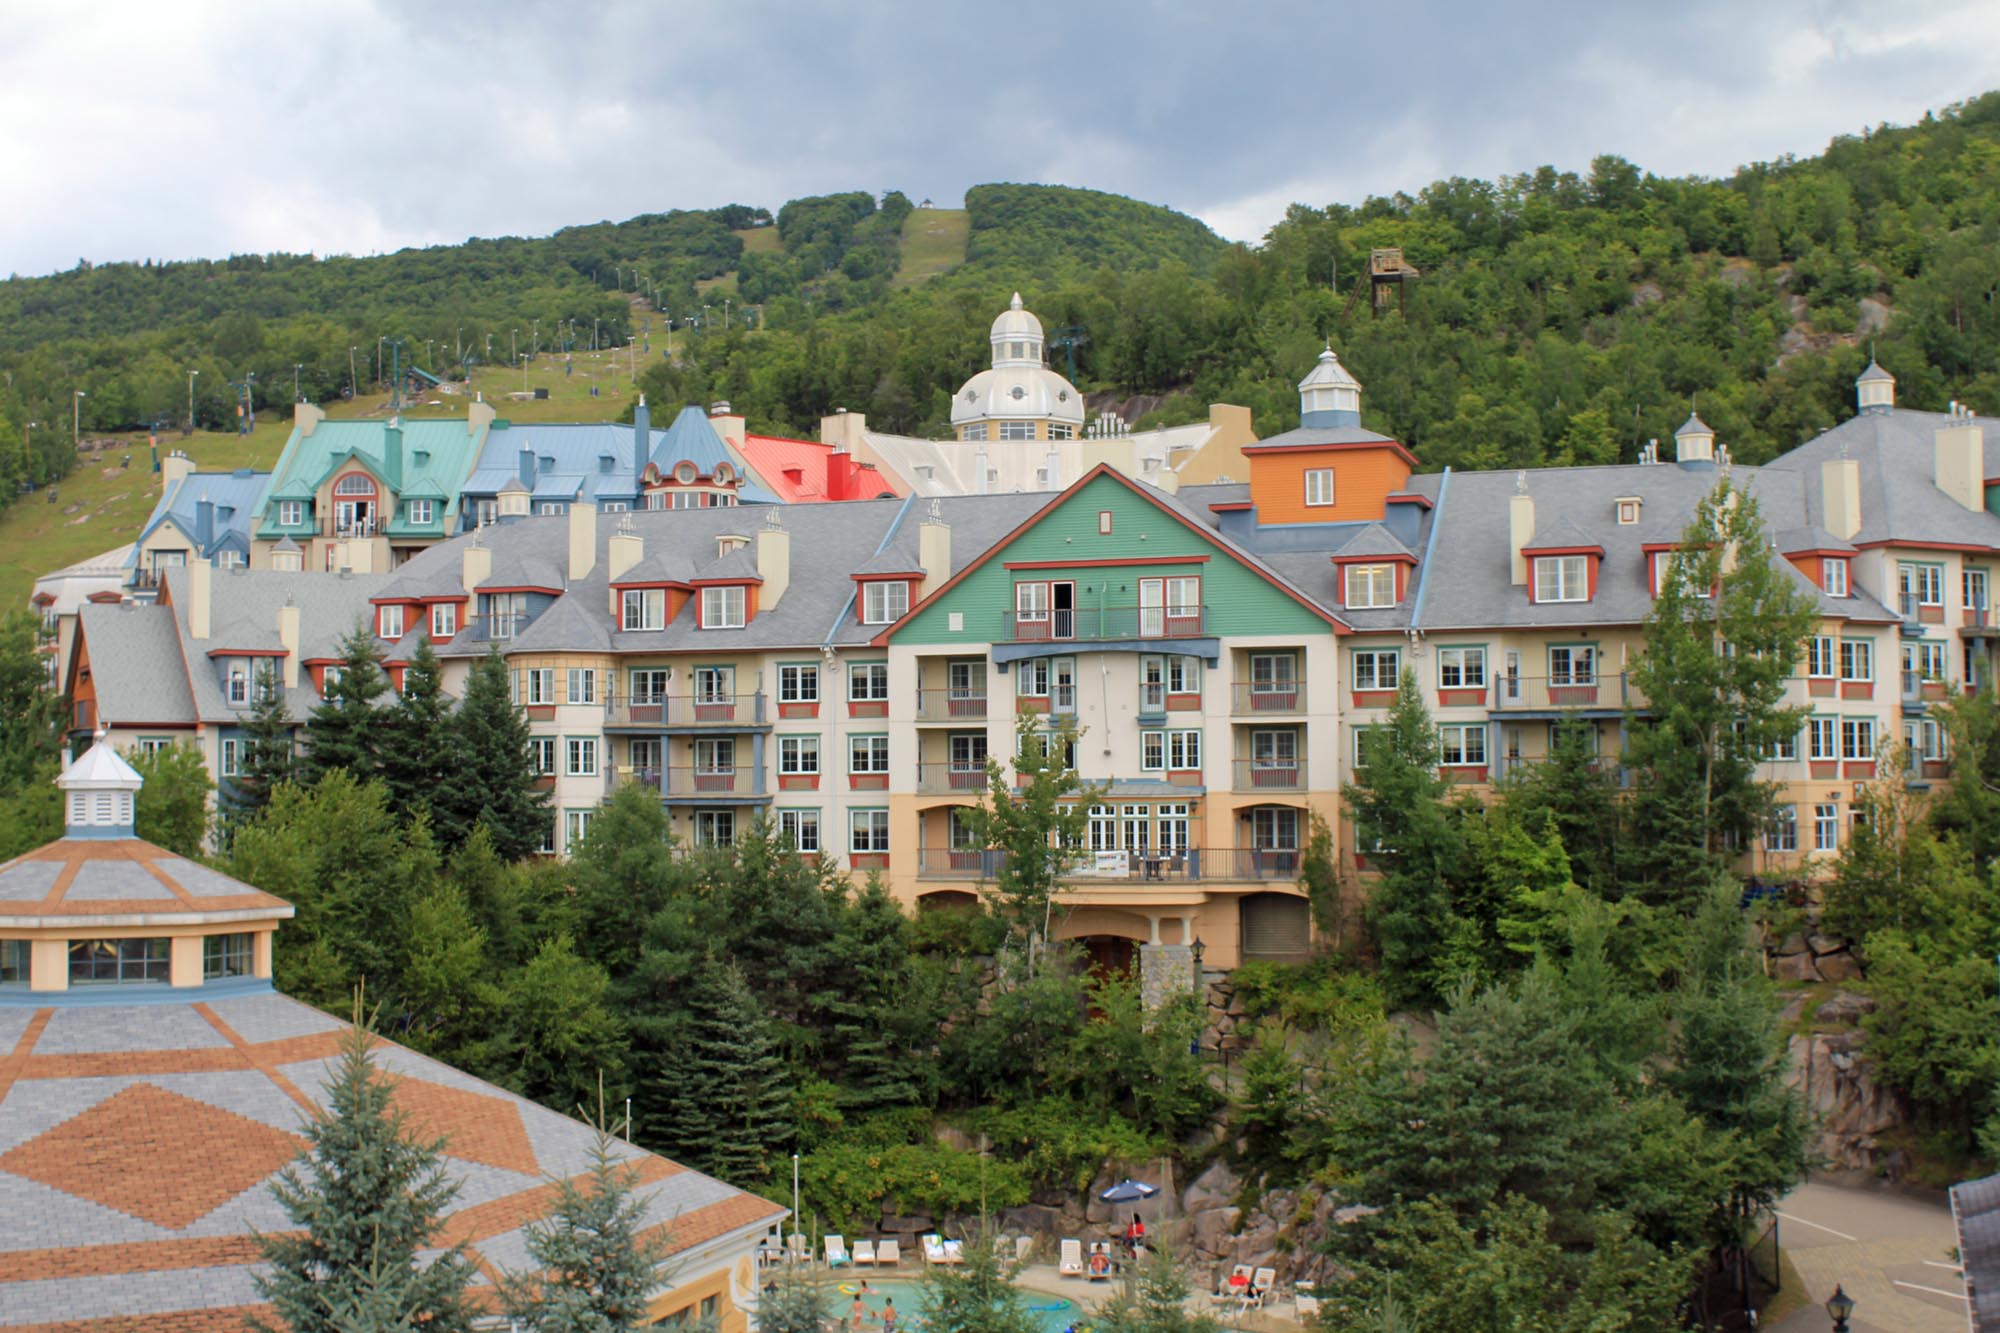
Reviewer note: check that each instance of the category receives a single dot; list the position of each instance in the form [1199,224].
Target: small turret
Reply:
[1875,389]
[1694,442]
[99,791]
[1328,395]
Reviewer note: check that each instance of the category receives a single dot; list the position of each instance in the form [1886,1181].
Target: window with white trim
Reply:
[1032,678]
[538,687]
[1274,673]
[1573,664]
[715,685]
[649,685]
[1972,588]
[867,754]
[1319,486]
[576,827]
[1857,659]
[1924,582]
[1371,587]
[389,622]
[643,608]
[1834,572]
[1562,578]
[1781,830]
[543,750]
[1031,601]
[444,620]
[868,831]
[884,602]
[1826,827]
[798,683]
[798,755]
[1857,739]
[582,683]
[801,829]
[1170,751]
[715,828]
[239,682]
[715,756]
[723,608]
[868,682]
[1462,668]
[422,511]
[1819,656]
[1274,749]
[291,513]
[1924,658]
[1377,668]
[1462,745]
[1822,738]
[232,757]
[581,757]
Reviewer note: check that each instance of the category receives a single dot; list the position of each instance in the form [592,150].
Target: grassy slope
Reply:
[933,242]
[101,505]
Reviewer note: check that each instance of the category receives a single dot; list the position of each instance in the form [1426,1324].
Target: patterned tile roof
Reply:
[76,879]
[137,1146]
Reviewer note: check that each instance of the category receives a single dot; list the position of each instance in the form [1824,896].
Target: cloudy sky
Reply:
[133,129]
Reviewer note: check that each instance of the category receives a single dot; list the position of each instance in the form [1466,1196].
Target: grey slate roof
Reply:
[1895,450]
[244,614]
[1560,534]
[1324,435]
[135,658]
[1810,537]
[735,565]
[1372,540]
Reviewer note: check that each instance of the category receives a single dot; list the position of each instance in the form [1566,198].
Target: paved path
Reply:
[1890,1251]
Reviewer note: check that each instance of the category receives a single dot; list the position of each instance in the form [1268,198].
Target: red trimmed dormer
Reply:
[1374,569]
[883,597]
[725,589]
[1562,565]
[1659,558]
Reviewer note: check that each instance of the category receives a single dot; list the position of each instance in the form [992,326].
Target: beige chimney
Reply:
[174,469]
[1520,530]
[476,565]
[1960,460]
[1840,496]
[479,416]
[843,429]
[582,540]
[200,597]
[934,552]
[774,562]
[627,548]
[306,418]
[288,635]
[728,424]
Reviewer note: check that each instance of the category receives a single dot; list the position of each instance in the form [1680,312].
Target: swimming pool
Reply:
[1052,1314]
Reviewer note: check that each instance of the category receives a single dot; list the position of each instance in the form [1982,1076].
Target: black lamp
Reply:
[1197,950]
[1839,1306]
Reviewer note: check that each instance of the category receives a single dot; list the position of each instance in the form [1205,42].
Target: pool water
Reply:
[1052,1314]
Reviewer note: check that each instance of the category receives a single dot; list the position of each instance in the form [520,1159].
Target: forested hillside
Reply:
[1561,317]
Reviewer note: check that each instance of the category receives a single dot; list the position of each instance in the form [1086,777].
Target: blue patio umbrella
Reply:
[1129,1191]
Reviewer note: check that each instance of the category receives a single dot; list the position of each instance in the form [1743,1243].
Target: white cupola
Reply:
[1875,389]
[1016,336]
[99,792]
[1328,395]
[1694,442]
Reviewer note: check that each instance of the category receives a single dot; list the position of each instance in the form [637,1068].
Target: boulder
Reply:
[1212,1231]
[1794,967]
[1824,944]
[1845,1006]
[1838,967]
[1032,1219]
[1848,1107]
[1791,944]
[910,1225]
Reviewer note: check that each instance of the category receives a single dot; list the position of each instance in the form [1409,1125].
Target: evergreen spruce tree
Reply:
[418,755]
[978,1297]
[268,760]
[1154,1300]
[345,730]
[1722,642]
[874,1023]
[1400,808]
[722,1085]
[793,1304]
[594,1261]
[1575,789]
[367,1199]
[490,778]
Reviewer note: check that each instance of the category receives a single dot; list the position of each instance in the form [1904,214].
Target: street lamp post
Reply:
[725,314]
[27,449]
[380,338]
[297,366]
[76,417]
[1839,1308]
[795,1202]
[353,380]
[191,375]
[535,341]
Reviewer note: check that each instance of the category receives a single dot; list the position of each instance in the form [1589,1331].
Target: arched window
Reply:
[354,483]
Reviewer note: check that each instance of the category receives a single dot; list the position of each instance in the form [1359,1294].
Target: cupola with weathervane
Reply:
[1694,442]
[1875,389]
[1329,395]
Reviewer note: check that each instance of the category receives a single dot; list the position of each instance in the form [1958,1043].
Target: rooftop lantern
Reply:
[1875,389]
[99,791]
[1329,396]
[1694,442]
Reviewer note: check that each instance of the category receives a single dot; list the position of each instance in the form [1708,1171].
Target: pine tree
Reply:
[722,1085]
[345,730]
[1402,823]
[418,755]
[873,1022]
[1722,643]
[978,1297]
[1154,1300]
[1578,791]
[491,776]
[793,1304]
[268,761]
[594,1260]
[367,1199]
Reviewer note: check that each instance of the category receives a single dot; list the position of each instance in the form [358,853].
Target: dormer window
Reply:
[684,473]
[645,608]
[1371,587]
[1562,578]
[1628,512]
[389,623]
[422,511]
[238,682]
[724,474]
[730,541]
[1663,572]
[1834,577]
[291,513]
[884,602]
[723,608]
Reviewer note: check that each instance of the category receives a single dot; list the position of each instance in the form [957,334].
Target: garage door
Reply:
[1277,928]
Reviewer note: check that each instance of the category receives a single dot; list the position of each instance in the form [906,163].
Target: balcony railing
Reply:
[1258,863]
[682,710]
[1086,624]
[501,627]
[1088,868]
[951,704]
[1270,775]
[1539,693]
[1249,699]
[944,777]
[742,780]
[617,777]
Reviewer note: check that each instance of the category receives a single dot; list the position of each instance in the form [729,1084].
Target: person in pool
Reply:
[888,1315]
[857,1313]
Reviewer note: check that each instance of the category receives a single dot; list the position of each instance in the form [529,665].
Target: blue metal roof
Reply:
[234,496]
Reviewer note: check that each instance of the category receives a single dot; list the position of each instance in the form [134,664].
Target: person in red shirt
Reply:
[1135,1235]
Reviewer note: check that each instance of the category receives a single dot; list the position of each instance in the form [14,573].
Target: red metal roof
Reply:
[808,472]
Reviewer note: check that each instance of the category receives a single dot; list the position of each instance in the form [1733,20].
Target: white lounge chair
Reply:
[1070,1262]
[933,1247]
[889,1253]
[836,1252]
[864,1253]
[1230,1287]
[1307,1303]
[1261,1283]
[795,1248]
[954,1252]
[1023,1246]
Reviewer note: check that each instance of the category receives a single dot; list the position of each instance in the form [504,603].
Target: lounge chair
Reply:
[1229,1286]
[864,1253]
[1070,1261]
[938,1250]
[888,1253]
[1307,1303]
[1023,1247]
[836,1252]
[795,1248]
[1101,1264]
[1261,1283]
[954,1252]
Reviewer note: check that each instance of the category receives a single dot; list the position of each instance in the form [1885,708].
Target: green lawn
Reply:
[933,242]
[760,240]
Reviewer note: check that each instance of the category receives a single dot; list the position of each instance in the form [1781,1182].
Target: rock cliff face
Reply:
[1850,1109]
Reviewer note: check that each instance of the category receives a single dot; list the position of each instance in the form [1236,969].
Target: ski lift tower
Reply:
[1069,337]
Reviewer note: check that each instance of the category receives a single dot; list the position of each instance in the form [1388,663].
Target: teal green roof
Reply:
[433,462]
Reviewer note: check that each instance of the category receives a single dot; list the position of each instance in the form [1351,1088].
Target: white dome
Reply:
[1015,322]
[1017,393]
